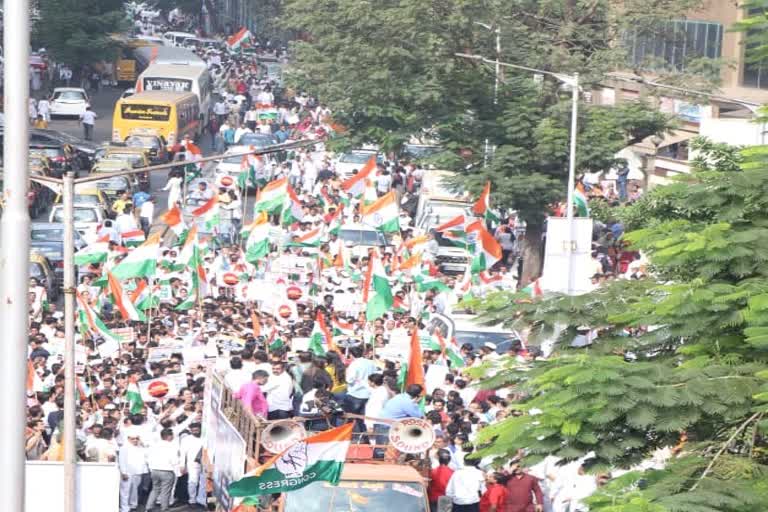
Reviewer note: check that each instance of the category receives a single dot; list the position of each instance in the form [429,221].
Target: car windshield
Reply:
[69,95]
[136,141]
[49,152]
[421,151]
[256,140]
[235,160]
[36,270]
[133,158]
[502,340]
[355,157]
[362,237]
[348,496]
[114,183]
[86,198]
[47,235]
[81,215]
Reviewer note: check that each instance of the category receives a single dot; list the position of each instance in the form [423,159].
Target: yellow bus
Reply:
[170,115]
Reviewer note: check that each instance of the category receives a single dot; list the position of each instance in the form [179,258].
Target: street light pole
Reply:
[497,80]
[68,437]
[572,179]
[14,256]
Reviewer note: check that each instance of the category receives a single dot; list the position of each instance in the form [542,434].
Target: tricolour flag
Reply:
[382,300]
[236,41]
[123,302]
[449,350]
[580,200]
[93,253]
[90,321]
[174,220]
[190,257]
[321,340]
[355,185]
[294,212]
[271,198]
[257,244]
[133,395]
[417,244]
[342,327]
[319,458]
[383,214]
[141,261]
[144,296]
[133,238]
[482,207]
[312,238]
[487,249]
[210,213]
[336,220]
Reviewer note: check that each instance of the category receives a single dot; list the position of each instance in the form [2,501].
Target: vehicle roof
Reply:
[468,323]
[157,55]
[159,97]
[128,149]
[184,70]
[78,89]
[46,225]
[381,473]
[357,227]
[174,33]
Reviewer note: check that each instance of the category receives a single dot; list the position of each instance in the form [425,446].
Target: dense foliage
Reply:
[684,352]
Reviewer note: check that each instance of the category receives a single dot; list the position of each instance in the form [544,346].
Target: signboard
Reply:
[211,411]
[562,246]
[158,389]
[145,112]
[167,84]
[229,461]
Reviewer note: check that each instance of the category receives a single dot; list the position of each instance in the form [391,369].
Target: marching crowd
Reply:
[298,321]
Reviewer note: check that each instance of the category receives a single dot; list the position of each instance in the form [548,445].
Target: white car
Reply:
[69,101]
[88,219]
[359,238]
[231,165]
[354,160]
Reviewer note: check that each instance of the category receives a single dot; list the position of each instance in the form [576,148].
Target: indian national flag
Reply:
[580,200]
[356,184]
[455,224]
[272,197]
[190,255]
[174,220]
[310,239]
[141,261]
[90,321]
[294,211]
[321,339]
[123,302]
[416,245]
[133,395]
[236,41]
[383,214]
[319,458]
[482,207]
[210,213]
[382,300]
[487,249]
[257,245]
[93,253]
[342,327]
[336,220]
[144,296]
[534,289]
[133,238]
[449,350]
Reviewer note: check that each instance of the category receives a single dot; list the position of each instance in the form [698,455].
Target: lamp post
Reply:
[497,79]
[571,81]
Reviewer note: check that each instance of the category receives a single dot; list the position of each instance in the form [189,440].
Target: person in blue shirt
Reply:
[404,405]
[358,391]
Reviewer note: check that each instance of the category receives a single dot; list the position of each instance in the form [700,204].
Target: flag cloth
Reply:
[294,211]
[310,239]
[487,249]
[449,350]
[133,395]
[382,300]
[257,244]
[319,458]
[236,41]
[272,197]
[455,224]
[482,207]
[210,213]
[383,214]
[355,185]
[534,289]
[190,257]
[321,336]
[93,253]
[174,220]
[144,296]
[123,302]
[580,201]
[336,220]
[140,262]
[90,322]
[415,373]
[417,245]
[133,238]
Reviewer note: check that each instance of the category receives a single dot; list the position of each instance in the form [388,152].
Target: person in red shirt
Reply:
[495,496]
[438,479]
[522,488]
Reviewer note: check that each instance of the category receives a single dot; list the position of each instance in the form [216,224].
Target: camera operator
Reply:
[318,404]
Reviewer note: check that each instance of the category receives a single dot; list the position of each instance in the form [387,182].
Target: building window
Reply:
[675,44]
[755,67]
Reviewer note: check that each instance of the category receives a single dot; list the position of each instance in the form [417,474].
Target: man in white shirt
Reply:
[147,214]
[279,391]
[466,486]
[44,109]
[191,455]
[237,375]
[88,119]
[132,461]
[125,222]
[163,461]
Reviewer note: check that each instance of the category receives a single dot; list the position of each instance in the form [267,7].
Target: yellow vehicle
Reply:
[42,270]
[171,115]
[87,193]
[126,66]
[137,156]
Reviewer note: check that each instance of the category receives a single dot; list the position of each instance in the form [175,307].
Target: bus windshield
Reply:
[357,495]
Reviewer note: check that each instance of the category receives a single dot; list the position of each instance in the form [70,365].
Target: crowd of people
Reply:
[291,315]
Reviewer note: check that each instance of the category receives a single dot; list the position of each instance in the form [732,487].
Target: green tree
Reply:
[77,32]
[683,351]
[389,71]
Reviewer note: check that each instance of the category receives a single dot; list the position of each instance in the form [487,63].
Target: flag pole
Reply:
[149,310]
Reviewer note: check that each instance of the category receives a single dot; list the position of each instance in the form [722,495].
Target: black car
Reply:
[85,151]
[62,157]
[47,238]
[257,140]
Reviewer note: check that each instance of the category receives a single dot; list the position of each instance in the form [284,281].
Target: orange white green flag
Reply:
[319,458]
[384,214]
[355,185]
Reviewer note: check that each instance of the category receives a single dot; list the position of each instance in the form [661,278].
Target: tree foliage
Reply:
[683,351]
[77,32]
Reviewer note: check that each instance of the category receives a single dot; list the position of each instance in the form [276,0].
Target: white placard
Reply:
[561,247]
[98,484]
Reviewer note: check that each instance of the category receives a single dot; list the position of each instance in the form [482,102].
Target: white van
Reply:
[177,38]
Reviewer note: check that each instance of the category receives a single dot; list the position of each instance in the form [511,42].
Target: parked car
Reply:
[61,157]
[85,151]
[42,270]
[69,101]
[88,219]
[351,161]
[48,240]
